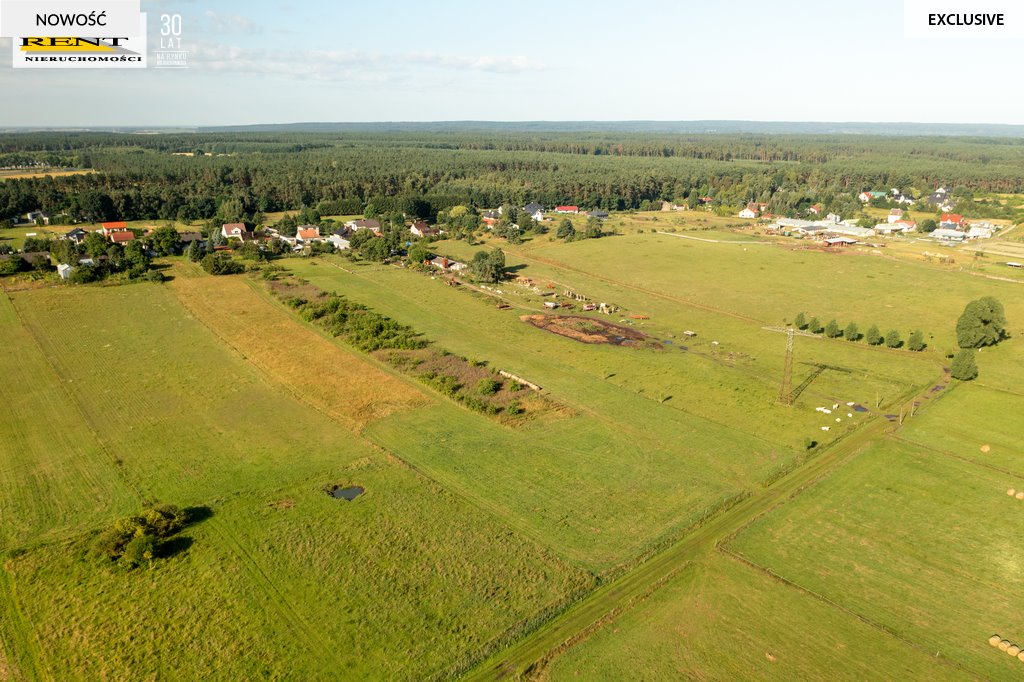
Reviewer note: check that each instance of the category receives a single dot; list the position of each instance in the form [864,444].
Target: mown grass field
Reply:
[141,401]
[921,544]
[722,620]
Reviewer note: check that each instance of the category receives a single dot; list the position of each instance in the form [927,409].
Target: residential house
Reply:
[36,217]
[833,218]
[235,231]
[869,195]
[535,211]
[307,233]
[369,224]
[750,211]
[64,270]
[895,215]
[121,237]
[903,198]
[109,228]
[816,209]
[491,218]
[189,237]
[76,235]
[567,209]
[942,199]
[953,221]
[420,228]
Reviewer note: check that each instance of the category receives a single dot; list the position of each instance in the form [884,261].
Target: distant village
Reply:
[833,230]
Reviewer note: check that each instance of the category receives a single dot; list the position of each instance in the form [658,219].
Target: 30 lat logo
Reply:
[171,55]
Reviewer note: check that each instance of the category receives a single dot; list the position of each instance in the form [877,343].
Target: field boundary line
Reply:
[710,241]
[953,455]
[881,627]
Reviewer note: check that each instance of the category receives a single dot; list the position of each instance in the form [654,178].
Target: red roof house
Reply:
[952,219]
[116,226]
[567,209]
[121,237]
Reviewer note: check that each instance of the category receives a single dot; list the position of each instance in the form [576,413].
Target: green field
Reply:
[209,392]
[922,545]
[128,398]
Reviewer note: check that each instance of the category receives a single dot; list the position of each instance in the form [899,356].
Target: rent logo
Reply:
[116,52]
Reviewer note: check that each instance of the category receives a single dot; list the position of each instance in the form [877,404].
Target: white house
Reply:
[307,233]
[235,231]
[748,213]
[833,218]
[978,232]
[64,270]
[369,224]
[895,214]
[534,210]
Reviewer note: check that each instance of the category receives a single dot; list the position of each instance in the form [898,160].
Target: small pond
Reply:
[350,493]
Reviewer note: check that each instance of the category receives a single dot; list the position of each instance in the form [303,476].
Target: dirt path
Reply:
[530,655]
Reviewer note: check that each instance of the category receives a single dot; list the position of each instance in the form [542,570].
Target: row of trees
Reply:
[851,332]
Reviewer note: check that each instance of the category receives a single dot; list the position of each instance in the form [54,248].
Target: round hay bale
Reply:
[985,448]
[1011,492]
[1013,650]
[1020,656]
[994,640]
[1020,495]
[1004,644]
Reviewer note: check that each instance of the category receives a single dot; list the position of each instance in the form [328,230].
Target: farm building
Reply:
[851,231]
[835,242]
[64,270]
[37,217]
[895,214]
[189,237]
[947,235]
[980,232]
[339,242]
[446,264]
[601,215]
[567,209]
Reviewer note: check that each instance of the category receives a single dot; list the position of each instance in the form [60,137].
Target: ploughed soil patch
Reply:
[591,330]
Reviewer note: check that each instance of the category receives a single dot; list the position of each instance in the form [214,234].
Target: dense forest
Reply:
[236,176]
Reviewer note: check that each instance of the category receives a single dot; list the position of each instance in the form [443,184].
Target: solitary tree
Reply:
[928,225]
[964,366]
[832,329]
[874,337]
[566,230]
[800,321]
[916,341]
[893,340]
[983,323]
[814,326]
[852,333]
[488,267]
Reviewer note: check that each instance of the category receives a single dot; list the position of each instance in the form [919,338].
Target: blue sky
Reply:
[395,60]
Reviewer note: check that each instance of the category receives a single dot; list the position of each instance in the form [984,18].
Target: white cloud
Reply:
[230,23]
[347,65]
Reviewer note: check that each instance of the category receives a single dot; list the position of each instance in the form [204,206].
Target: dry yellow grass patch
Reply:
[340,383]
[21,175]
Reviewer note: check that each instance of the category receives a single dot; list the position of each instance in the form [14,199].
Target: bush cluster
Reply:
[135,540]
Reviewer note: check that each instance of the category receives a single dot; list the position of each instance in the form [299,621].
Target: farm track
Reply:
[529,656]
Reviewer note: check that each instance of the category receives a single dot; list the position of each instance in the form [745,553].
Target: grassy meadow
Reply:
[142,402]
[922,545]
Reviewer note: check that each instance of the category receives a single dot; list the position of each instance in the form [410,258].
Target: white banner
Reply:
[60,18]
[964,19]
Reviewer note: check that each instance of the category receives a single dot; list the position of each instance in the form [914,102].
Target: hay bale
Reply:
[1011,492]
[1020,495]
[1004,644]
[994,640]
[985,448]
[1013,650]
[1020,656]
